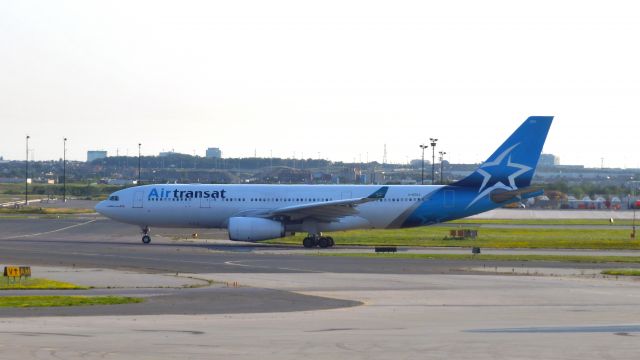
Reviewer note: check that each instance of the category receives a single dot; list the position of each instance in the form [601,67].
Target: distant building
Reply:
[95,155]
[214,153]
[549,160]
[121,182]
[168,153]
[417,163]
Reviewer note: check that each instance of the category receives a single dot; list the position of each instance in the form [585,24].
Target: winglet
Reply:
[379,194]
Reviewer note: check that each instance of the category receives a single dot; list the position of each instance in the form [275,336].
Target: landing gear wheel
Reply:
[324,242]
[146,239]
[308,242]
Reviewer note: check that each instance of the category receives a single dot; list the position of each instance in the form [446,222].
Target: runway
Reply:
[285,304]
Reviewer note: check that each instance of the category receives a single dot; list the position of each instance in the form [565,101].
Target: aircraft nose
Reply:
[100,207]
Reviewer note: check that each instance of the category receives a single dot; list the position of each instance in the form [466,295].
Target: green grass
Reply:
[75,190]
[622,272]
[37,284]
[45,211]
[436,236]
[55,301]
[625,222]
[506,257]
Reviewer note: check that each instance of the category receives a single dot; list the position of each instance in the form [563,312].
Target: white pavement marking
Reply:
[236,263]
[50,232]
[115,256]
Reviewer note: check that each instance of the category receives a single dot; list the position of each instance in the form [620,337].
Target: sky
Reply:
[330,79]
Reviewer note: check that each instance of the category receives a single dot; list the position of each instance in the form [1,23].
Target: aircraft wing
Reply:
[327,210]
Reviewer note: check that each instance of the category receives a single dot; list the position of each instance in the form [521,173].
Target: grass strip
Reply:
[56,301]
[491,257]
[37,284]
[622,272]
[496,238]
[45,211]
[594,222]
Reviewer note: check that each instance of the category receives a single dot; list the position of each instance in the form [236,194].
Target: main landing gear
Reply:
[312,241]
[145,235]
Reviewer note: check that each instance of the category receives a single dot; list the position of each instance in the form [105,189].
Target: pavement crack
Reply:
[190,332]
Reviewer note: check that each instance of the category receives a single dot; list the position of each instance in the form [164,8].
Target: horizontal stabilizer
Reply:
[499,197]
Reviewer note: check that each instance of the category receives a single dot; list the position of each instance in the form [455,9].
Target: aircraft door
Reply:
[138,198]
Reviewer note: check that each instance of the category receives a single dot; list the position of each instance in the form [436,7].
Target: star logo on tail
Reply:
[501,173]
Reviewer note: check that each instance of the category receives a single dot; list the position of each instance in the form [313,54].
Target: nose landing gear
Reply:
[145,235]
[313,240]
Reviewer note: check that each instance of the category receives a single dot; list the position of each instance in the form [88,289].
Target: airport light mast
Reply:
[422,146]
[433,160]
[139,155]
[64,171]
[634,184]
[26,175]
[442,154]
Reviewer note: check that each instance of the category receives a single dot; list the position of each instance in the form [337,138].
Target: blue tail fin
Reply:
[512,166]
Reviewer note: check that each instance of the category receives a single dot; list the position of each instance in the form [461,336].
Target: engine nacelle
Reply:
[254,229]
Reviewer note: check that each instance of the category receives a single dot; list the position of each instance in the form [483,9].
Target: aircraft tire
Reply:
[308,242]
[146,239]
[324,242]
[331,242]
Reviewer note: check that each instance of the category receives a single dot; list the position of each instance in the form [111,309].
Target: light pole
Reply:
[139,155]
[442,154]
[634,203]
[64,172]
[423,146]
[26,175]
[433,160]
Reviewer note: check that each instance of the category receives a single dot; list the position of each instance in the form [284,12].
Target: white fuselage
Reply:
[211,206]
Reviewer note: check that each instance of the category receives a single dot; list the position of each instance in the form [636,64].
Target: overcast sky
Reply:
[335,79]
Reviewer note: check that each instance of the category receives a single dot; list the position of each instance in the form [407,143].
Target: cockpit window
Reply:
[114,198]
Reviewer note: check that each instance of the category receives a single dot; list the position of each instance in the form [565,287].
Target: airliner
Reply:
[262,212]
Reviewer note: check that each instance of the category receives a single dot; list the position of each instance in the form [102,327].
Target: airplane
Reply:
[262,212]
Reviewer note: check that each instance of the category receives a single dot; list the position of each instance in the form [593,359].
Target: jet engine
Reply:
[254,229]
